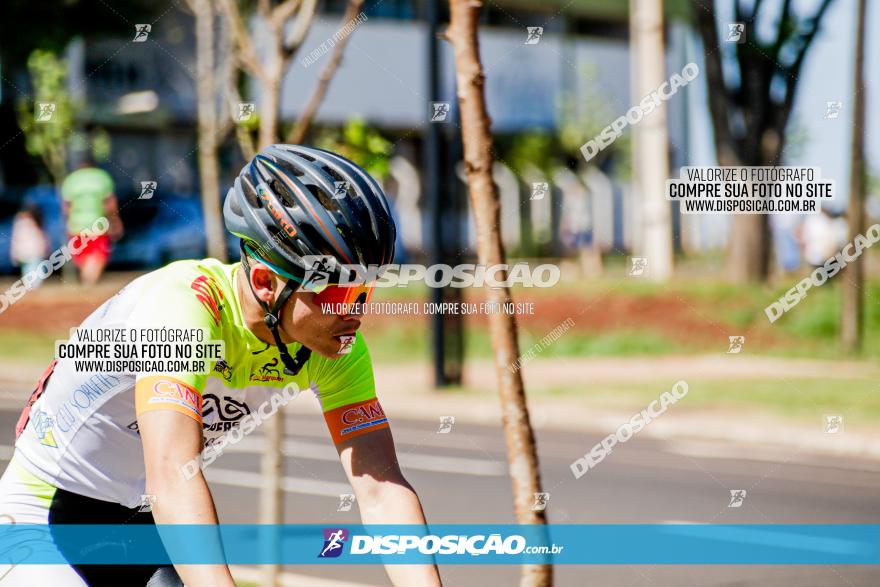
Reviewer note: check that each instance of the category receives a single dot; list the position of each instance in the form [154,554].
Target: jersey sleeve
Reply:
[347,392]
[182,301]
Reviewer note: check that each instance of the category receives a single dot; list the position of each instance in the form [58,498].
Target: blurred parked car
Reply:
[159,230]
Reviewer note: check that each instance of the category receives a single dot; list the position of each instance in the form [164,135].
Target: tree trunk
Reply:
[209,172]
[853,308]
[748,257]
[650,137]
[477,142]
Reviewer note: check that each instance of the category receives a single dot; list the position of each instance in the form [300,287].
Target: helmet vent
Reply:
[290,167]
[283,193]
[326,202]
[250,194]
[347,236]
[333,173]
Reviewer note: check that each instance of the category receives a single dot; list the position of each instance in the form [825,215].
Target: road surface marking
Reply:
[421,462]
[288,484]
[715,450]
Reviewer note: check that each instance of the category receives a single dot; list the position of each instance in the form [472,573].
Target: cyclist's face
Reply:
[301,317]
[325,334]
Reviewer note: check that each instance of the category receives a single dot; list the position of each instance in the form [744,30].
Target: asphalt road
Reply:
[461,477]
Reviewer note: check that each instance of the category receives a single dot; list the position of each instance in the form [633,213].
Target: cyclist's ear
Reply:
[266,284]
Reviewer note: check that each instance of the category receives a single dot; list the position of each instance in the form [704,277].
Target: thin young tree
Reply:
[47,118]
[283,28]
[211,130]
[853,300]
[650,137]
[751,106]
[477,139]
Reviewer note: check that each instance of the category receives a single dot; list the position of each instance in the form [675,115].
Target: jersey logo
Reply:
[228,411]
[209,294]
[224,369]
[371,412]
[166,393]
[261,350]
[43,425]
[268,372]
[355,419]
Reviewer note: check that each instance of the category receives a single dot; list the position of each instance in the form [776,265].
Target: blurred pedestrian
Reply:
[87,194]
[785,229]
[29,243]
[822,235]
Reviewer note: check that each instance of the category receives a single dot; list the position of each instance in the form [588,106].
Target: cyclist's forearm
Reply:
[398,503]
[188,501]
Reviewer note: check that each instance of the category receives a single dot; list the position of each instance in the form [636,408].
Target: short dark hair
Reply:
[34,210]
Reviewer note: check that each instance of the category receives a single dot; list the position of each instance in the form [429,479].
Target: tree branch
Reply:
[247,56]
[794,71]
[808,38]
[282,12]
[300,28]
[754,14]
[780,33]
[738,11]
[227,72]
[264,8]
[719,96]
[242,134]
[298,133]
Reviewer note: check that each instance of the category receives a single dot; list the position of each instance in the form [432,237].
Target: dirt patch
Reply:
[50,314]
[670,316]
[57,307]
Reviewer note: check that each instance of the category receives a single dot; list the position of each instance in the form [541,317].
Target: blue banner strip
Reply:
[561,544]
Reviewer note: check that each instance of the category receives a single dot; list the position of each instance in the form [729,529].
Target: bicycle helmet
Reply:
[292,202]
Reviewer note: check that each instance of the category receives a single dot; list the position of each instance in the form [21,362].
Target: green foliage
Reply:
[48,137]
[362,144]
[101,145]
[538,147]
[585,114]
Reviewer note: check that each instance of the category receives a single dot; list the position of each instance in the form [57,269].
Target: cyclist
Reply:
[92,445]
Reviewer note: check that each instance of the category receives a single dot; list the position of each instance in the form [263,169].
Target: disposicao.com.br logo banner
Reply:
[616,544]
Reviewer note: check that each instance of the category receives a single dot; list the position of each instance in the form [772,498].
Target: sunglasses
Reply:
[342,299]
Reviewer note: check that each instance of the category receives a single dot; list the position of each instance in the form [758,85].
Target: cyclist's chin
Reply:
[328,347]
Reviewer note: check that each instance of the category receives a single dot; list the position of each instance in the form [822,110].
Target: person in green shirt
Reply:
[87,195]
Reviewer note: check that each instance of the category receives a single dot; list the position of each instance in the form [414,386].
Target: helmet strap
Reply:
[292,365]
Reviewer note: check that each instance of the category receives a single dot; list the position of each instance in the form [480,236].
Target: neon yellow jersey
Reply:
[82,434]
